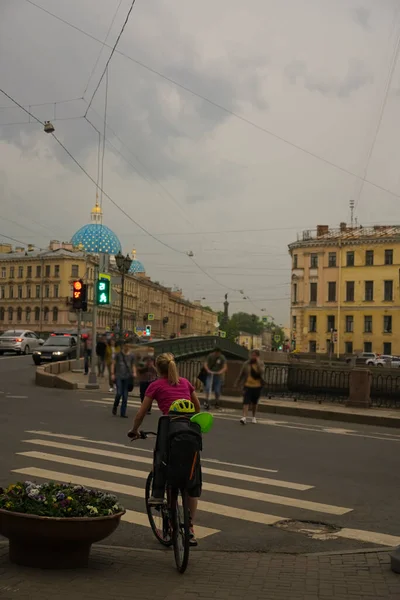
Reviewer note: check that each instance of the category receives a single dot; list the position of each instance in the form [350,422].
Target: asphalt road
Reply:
[345,477]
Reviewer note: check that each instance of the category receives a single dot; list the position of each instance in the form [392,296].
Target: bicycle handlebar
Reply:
[143,435]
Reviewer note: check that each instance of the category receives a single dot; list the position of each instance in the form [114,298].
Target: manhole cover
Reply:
[313,529]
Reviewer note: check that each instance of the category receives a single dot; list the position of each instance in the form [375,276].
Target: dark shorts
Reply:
[251,395]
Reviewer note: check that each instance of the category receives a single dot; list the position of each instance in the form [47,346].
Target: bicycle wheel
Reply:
[159,517]
[180,528]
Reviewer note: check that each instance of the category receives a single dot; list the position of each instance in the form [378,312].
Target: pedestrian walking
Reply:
[147,373]
[251,377]
[87,351]
[124,373]
[101,348]
[216,367]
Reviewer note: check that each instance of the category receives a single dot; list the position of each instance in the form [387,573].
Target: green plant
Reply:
[57,500]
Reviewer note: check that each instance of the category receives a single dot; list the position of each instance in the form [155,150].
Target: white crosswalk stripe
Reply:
[76,459]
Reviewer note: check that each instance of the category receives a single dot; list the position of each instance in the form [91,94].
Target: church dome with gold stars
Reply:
[96,237]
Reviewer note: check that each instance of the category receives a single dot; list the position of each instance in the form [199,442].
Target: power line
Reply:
[112,54]
[223,108]
[46,103]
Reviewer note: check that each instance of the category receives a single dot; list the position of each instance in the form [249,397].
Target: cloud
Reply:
[362,16]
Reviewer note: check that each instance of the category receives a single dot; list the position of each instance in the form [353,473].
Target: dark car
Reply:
[55,349]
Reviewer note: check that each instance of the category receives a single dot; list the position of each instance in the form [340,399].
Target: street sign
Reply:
[104,276]
[265,320]
[140,330]
[104,262]
[150,317]
[222,334]
[277,338]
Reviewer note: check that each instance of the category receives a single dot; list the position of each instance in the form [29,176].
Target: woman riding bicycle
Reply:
[165,391]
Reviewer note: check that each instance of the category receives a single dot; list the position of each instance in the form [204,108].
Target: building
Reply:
[345,294]
[36,289]
[249,340]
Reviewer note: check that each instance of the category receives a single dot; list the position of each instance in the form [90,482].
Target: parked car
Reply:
[56,348]
[363,358]
[385,360]
[20,341]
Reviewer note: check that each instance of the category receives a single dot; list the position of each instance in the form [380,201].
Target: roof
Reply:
[347,234]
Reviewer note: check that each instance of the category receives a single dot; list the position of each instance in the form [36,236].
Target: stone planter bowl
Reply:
[52,542]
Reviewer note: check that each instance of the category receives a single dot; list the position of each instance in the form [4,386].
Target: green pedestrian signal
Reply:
[103,292]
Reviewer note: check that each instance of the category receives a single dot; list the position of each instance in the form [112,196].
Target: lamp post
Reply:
[123,265]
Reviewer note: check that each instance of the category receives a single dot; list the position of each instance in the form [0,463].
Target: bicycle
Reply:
[174,529]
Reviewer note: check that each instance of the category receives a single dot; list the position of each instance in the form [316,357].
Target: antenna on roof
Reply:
[352,213]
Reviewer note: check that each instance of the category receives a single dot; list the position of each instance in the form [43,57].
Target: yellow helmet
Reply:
[182,406]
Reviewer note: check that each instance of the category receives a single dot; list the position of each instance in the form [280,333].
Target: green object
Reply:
[103,292]
[222,334]
[205,420]
[150,317]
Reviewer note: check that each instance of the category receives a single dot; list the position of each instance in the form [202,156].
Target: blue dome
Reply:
[137,267]
[96,237]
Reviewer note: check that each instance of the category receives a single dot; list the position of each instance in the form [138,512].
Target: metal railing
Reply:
[196,346]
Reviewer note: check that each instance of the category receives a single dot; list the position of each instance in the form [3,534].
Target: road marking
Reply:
[138,449]
[210,487]
[137,518]
[16,397]
[371,537]
[128,490]
[143,459]
[338,430]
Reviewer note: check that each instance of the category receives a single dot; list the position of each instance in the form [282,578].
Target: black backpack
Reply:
[184,447]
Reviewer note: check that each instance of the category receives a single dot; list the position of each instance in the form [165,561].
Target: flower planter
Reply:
[53,542]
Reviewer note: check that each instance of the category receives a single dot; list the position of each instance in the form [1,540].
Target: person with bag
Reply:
[215,367]
[177,438]
[123,373]
[251,377]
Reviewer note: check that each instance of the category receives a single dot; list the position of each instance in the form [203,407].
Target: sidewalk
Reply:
[329,411]
[123,573]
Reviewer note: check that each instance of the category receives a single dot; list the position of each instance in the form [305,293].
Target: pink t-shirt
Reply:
[165,394]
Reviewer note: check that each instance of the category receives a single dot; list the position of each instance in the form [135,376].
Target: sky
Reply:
[279,110]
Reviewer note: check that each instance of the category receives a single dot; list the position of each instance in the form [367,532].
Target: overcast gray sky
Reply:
[313,72]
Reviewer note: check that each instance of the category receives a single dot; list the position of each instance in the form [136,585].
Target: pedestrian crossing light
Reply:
[148,330]
[103,292]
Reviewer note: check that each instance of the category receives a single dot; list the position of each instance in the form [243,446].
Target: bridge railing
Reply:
[195,346]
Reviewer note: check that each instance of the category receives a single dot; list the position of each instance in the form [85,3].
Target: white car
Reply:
[385,360]
[20,341]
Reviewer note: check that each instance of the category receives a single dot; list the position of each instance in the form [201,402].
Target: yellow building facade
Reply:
[36,291]
[345,295]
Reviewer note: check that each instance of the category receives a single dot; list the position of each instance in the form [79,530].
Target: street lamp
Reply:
[123,264]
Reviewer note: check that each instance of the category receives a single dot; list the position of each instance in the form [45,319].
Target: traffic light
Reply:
[103,292]
[148,330]
[79,295]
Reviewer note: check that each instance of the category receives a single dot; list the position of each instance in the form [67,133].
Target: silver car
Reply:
[20,341]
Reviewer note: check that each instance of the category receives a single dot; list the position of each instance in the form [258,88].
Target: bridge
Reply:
[187,347]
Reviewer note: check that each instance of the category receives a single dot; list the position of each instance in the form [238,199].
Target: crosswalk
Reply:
[122,469]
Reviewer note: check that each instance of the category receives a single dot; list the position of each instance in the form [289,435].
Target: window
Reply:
[47,270]
[55,314]
[387,348]
[332,259]
[331,322]
[349,291]
[12,272]
[38,271]
[388,257]
[46,313]
[369,291]
[332,291]
[75,271]
[28,314]
[314,261]
[368,324]
[312,346]
[369,257]
[38,291]
[10,313]
[11,294]
[294,261]
[350,259]
[295,292]
[313,292]
[3,292]
[294,322]
[29,272]
[56,291]
[349,323]
[20,291]
[387,326]
[367,346]
[47,291]
[20,272]
[2,311]
[19,314]
[56,270]
[3,272]
[388,293]
[312,326]
[348,347]
[37,314]
[28,291]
